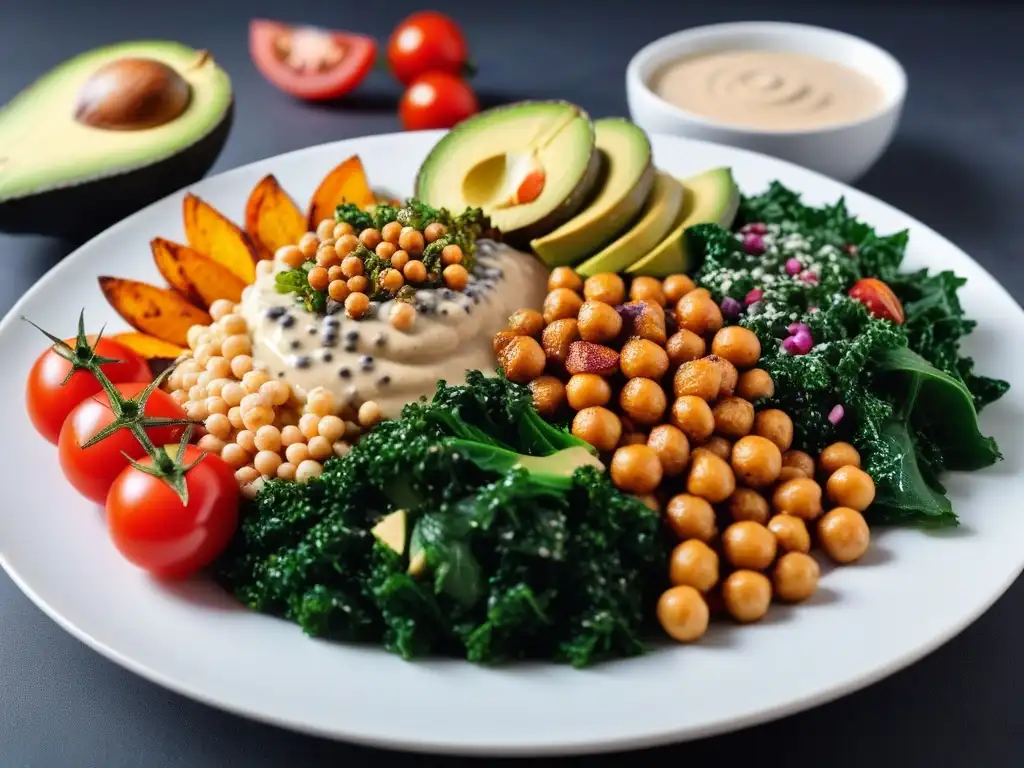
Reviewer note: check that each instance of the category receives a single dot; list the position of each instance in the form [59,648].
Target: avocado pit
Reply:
[132,94]
[503,181]
[309,50]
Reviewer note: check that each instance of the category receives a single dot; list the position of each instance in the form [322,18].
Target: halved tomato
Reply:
[308,62]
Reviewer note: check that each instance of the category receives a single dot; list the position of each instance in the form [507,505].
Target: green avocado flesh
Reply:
[624,188]
[711,197]
[482,161]
[43,146]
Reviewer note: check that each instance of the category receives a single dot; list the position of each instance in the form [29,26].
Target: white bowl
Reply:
[843,151]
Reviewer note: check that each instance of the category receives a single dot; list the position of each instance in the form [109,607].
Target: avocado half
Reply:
[491,160]
[107,133]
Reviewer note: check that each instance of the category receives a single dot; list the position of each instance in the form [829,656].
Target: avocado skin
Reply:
[79,211]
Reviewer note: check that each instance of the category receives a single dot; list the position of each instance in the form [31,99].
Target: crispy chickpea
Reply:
[738,345]
[351,266]
[391,231]
[693,416]
[370,238]
[356,304]
[606,286]
[526,322]
[451,254]
[241,365]
[414,271]
[549,395]
[564,277]
[691,517]
[599,427]
[677,286]
[236,345]
[433,231]
[522,359]
[337,290]
[647,289]
[835,456]
[557,338]
[719,446]
[789,473]
[319,448]
[730,376]
[700,378]
[776,426]
[747,595]
[290,256]
[800,461]
[308,244]
[697,312]
[748,504]
[411,240]
[307,470]
[286,471]
[561,303]
[345,245]
[398,260]
[267,462]
[795,577]
[586,390]
[276,392]
[327,257]
[734,417]
[335,273]
[234,455]
[844,534]
[386,250]
[291,434]
[791,533]
[391,280]
[636,469]
[851,487]
[598,321]
[341,229]
[684,346]
[748,544]
[456,277]
[325,229]
[800,497]
[643,400]
[642,358]
[501,340]
[694,564]
[683,614]
[672,447]
[755,384]
[710,477]
[403,316]
[756,461]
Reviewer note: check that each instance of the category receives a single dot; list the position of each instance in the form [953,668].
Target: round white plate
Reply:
[914,591]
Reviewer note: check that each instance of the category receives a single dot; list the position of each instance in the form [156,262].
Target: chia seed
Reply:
[326,356]
[295,344]
[344,372]
[384,380]
[300,361]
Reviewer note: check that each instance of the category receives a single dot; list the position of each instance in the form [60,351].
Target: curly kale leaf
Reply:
[296,281]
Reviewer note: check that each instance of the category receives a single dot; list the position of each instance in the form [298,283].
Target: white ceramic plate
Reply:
[866,622]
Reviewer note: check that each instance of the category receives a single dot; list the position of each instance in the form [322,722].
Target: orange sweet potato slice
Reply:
[165,254]
[272,219]
[211,280]
[345,184]
[212,234]
[159,312]
[149,347]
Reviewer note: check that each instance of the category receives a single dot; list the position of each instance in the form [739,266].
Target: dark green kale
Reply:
[296,281]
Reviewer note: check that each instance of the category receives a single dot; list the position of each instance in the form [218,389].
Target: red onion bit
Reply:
[755,294]
[731,307]
[836,415]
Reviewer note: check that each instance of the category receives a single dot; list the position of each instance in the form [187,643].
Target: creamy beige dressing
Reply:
[772,90]
[368,359]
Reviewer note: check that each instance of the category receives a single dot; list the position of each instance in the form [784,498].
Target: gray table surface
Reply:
[957,164]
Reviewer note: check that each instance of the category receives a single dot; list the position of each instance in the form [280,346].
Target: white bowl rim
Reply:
[895,89]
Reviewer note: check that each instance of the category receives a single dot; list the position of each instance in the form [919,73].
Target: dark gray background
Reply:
[957,163]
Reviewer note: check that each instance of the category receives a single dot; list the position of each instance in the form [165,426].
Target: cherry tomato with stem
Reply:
[428,41]
[436,100]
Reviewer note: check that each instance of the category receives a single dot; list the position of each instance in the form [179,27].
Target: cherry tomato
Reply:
[92,470]
[48,403]
[310,63]
[427,41]
[436,100]
[153,530]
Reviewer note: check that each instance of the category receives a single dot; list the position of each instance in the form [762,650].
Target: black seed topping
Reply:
[366,363]
[286,321]
[344,372]
[273,313]
[301,361]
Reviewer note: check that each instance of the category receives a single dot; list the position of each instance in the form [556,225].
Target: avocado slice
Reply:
[530,166]
[625,186]
[391,530]
[107,133]
[659,216]
[711,197]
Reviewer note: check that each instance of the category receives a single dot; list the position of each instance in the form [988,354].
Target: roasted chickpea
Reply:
[647,289]
[691,517]
[710,477]
[738,345]
[730,376]
[357,304]
[719,446]
[683,614]
[560,304]
[693,416]
[318,279]
[345,245]
[557,338]
[434,231]
[672,447]
[755,384]
[327,257]
[795,577]
[370,237]
[747,595]
[835,456]
[684,346]
[635,469]
[643,400]
[599,427]
[586,390]
[851,487]
[522,359]
[697,312]
[451,254]
[791,533]
[748,504]
[456,277]
[501,340]
[398,261]
[700,378]
[844,534]
[526,322]
[391,280]
[411,240]
[756,460]
[564,277]
[351,266]
[749,545]
[391,232]
[548,395]
[358,284]
[800,497]
[341,229]
[677,286]
[386,250]
[694,564]
[598,322]
[643,358]
[337,290]
[734,417]
[776,426]
[800,461]
[414,271]
[607,287]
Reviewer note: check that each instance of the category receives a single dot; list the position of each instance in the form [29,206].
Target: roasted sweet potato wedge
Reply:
[165,254]
[345,184]
[272,219]
[159,312]
[150,347]
[208,278]
[212,234]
